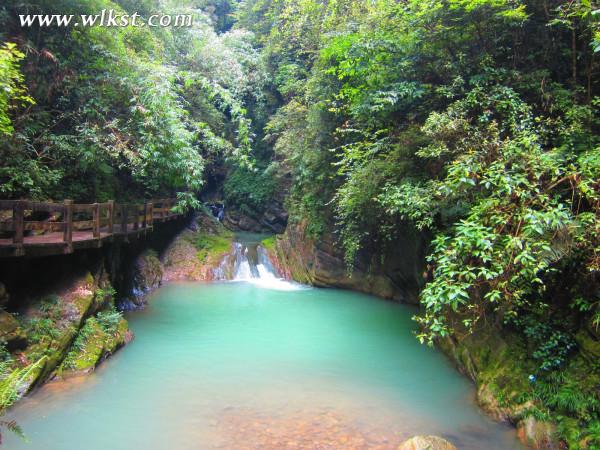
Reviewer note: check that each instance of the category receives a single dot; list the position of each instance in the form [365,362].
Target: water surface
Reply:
[237,365]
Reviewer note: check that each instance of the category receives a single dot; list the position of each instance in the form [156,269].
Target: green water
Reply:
[236,365]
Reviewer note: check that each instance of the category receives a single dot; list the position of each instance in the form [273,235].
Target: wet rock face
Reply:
[273,220]
[427,443]
[148,271]
[397,275]
[196,251]
[537,434]
[4,297]
[148,275]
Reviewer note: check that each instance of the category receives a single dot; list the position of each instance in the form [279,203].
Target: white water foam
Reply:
[252,265]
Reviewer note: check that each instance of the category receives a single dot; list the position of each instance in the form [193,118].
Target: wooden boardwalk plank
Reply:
[104,222]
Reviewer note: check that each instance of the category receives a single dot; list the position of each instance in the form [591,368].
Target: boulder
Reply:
[426,443]
[11,332]
[148,272]
[4,297]
[537,434]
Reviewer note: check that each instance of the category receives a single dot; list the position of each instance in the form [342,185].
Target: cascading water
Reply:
[249,261]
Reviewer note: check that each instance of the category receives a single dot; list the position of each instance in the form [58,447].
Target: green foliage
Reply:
[551,346]
[573,403]
[12,384]
[105,293]
[109,320]
[211,246]
[475,121]
[12,90]
[269,243]
[119,114]
[42,330]
[250,189]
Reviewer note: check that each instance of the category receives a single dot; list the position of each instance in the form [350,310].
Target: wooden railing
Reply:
[60,221]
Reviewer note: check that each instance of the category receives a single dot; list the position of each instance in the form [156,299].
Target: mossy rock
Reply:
[148,271]
[211,247]
[11,332]
[537,434]
[270,243]
[426,443]
[93,344]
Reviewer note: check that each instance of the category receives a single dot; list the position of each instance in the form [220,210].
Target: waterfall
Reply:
[250,262]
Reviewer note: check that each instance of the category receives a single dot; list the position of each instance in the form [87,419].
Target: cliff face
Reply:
[193,253]
[395,275]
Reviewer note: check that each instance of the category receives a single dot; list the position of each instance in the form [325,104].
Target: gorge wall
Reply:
[398,274]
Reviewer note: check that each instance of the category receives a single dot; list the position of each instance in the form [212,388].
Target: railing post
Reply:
[111,216]
[124,218]
[136,217]
[145,220]
[68,226]
[19,222]
[151,213]
[96,220]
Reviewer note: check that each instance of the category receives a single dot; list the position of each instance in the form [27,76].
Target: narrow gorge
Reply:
[315,224]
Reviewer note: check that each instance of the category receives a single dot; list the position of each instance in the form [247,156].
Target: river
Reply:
[261,363]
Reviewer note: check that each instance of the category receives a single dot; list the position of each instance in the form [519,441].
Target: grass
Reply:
[269,243]
[211,246]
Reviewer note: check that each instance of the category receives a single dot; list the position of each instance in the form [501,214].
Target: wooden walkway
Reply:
[42,228]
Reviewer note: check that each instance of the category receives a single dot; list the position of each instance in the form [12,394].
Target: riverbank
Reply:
[70,319]
[496,358]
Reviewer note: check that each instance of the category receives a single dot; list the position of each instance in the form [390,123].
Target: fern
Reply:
[12,383]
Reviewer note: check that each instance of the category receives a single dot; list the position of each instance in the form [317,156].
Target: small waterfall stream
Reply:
[249,261]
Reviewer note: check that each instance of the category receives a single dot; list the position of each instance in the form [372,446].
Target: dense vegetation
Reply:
[120,112]
[475,121]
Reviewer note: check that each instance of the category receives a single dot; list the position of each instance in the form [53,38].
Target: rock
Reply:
[148,275]
[193,255]
[92,346]
[427,443]
[11,332]
[396,275]
[536,434]
[4,297]
[488,401]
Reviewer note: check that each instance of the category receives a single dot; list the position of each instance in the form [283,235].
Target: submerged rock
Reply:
[427,443]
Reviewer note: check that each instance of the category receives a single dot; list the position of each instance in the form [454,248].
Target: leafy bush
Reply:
[251,190]
[109,320]
[41,329]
